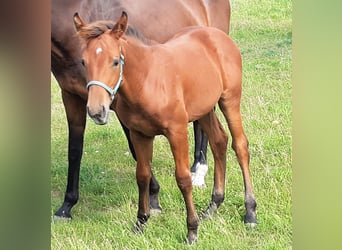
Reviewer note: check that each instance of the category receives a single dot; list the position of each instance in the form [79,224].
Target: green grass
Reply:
[107,207]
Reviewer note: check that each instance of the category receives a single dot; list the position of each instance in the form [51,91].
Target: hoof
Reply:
[154,203]
[155,211]
[250,225]
[64,212]
[210,211]
[250,219]
[206,215]
[138,228]
[140,224]
[191,239]
[61,219]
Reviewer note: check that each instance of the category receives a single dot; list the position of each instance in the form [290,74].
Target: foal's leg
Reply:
[199,167]
[143,148]
[154,186]
[231,110]
[179,146]
[218,143]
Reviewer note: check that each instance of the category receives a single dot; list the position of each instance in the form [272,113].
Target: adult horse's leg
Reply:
[179,146]
[75,108]
[154,192]
[199,167]
[231,111]
[218,143]
[127,134]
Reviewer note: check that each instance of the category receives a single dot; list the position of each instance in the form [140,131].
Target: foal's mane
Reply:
[96,29]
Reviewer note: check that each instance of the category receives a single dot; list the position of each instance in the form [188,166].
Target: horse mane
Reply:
[133,32]
[92,30]
[96,29]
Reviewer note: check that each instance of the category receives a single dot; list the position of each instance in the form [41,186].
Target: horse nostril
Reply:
[93,114]
[99,114]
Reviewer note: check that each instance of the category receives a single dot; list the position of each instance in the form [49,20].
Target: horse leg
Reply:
[179,146]
[218,143]
[143,146]
[154,186]
[199,167]
[127,134]
[231,110]
[154,192]
[75,109]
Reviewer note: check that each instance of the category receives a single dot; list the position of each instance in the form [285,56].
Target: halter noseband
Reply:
[113,91]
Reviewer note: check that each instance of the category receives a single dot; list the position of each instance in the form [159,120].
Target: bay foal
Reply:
[157,89]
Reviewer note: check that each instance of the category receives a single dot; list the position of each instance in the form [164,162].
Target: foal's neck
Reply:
[138,59]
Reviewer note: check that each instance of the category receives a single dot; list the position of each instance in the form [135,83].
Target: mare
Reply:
[169,16]
[156,91]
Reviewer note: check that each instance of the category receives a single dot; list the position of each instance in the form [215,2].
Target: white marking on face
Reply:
[98,50]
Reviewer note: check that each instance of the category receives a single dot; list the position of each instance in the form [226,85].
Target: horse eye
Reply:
[82,62]
[116,62]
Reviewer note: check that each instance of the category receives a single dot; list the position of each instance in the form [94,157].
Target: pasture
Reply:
[107,208]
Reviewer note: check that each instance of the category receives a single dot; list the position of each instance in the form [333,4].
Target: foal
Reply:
[158,89]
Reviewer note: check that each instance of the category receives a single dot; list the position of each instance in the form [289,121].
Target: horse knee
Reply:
[143,179]
[183,180]
[240,146]
[223,141]
[219,145]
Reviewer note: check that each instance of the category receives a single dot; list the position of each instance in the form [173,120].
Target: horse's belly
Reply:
[202,96]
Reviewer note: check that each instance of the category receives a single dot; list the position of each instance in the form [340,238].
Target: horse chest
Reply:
[141,120]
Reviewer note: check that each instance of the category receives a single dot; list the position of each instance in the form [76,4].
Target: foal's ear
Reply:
[78,22]
[121,26]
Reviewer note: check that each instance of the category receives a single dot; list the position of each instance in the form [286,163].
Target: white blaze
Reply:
[98,50]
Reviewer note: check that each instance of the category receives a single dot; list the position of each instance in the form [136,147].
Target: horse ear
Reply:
[121,26]
[78,22]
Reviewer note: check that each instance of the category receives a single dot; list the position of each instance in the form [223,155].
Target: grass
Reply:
[107,207]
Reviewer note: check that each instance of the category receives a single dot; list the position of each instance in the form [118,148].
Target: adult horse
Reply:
[157,92]
[170,16]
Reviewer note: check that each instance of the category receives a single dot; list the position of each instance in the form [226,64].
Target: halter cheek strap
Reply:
[111,91]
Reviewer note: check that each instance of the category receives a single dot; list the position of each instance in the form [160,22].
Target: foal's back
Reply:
[207,62]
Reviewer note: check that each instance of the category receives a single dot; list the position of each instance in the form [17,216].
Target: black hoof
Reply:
[138,228]
[154,204]
[250,217]
[65,210]
[62,215]
[191,239]
[140,224]
[250,221]
[210,211]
